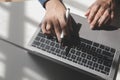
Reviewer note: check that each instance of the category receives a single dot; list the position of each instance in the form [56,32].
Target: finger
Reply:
[53,32]
[113,6]
[107,21]
[63,25]
[93,11]
[43,27]
[96,18]
[104,18]
[87,12]
[48,28]
[112,15]
[57,29]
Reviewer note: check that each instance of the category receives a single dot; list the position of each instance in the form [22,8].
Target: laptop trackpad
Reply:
[107,35]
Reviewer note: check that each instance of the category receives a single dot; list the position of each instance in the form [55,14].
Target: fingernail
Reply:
[86,14]
[88,21]
[99,25]
[91,27]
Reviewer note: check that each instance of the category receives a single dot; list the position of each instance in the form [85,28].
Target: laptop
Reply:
[94,52]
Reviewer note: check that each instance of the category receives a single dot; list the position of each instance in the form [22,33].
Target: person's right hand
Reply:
[54,21]
[100,13]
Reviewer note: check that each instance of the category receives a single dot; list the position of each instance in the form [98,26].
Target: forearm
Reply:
[117,1]
[50,3]
[43,2]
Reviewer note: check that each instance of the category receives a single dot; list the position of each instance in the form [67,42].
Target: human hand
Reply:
[54,21]
[100,13]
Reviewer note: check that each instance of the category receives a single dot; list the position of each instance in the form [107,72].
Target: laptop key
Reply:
[95,44]
[95,65]
[86,41]
[47,42]
[97,70]
[107,69]
[52,49]
[88,47]
[84,49]
[108,58]
[83,55]
[94,59]
[37,38]
[90,63]
[73,56]
[35,43]
[83,45]
[89,57]
[84,61]
[57,45]
[63,52]
[52,43]
[112,50]
[42,40]
[100,61]
[107,48]
[98,51]
[103,72]
[75,60]
[47,47]
[107,53]
[72,51]
[69,55]
[42,46]
[78,53]
[57,51]
[41,35]
[93,49]
[100,56]
[79,47]
[107,63]
[62,47]
[101,67]
[79,59]
[102,46]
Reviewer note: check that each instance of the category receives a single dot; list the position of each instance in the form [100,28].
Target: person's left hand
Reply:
[100,13]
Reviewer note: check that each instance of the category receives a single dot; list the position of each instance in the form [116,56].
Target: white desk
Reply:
[18,22]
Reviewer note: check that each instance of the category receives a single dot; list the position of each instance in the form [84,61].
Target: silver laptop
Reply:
[94,52]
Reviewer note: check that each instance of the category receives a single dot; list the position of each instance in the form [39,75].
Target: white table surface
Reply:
[18,22]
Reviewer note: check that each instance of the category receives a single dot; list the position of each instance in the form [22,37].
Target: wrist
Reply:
[51,3]
[109,2]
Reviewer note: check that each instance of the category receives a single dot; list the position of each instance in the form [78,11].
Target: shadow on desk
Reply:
[55,71]
[107,28]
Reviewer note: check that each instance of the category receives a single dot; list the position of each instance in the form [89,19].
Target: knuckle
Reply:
[42,25]
[54,18]
[93,23]
[109,10]
[112,16]
[97,16]
[107,13]
[63,24]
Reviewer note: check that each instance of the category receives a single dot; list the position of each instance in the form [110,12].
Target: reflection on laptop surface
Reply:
[87,55]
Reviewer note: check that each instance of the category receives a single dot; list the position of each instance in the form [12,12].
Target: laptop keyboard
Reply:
[87,53]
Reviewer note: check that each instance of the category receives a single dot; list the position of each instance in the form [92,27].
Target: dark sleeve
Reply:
[43,2]
[117,1]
